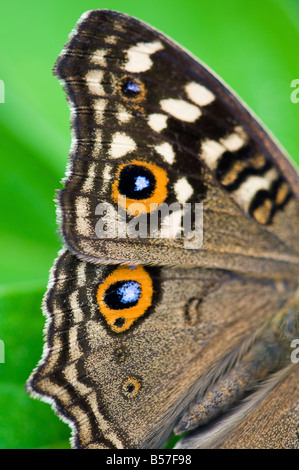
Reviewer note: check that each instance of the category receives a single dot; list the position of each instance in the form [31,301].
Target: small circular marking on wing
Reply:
[140,182]
[124,296]
[132,89]
[131,387]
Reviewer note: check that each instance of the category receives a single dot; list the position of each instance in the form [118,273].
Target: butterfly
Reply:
[152,334]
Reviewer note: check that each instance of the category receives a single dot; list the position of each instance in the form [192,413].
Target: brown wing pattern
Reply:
[141,105]
[139,328]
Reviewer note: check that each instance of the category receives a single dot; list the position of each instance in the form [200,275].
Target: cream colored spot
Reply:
[98,57]
[81,275]
[99,107]
[139,56]
[121,145]
[82,211]
[171,226]
[183,190]
[246,192]
[75,306]
[181,109]
[122,114]
[97,146]
[199,94]
[106,176]
[88,183]
[157,122]
[94,79]
[82,206]
[107,173]
[211,151]
[241,131]
[233,142]
[166,151]
[74,347]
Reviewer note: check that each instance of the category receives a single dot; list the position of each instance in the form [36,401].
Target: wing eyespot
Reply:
[131,88]
[124,297]
[131,387]
[133,92]
[139,182]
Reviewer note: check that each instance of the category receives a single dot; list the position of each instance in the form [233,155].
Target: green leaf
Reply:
[25,423]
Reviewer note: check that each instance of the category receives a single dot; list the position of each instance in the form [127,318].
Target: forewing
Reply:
[153,125]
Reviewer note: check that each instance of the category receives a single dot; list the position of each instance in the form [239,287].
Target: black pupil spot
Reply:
[119,322]
[122,294]
[136,182]
[130,88]
[130,388]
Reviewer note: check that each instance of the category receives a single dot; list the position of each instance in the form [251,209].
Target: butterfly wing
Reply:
[121,370]
[152,125]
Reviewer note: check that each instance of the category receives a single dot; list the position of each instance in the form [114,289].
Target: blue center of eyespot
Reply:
[129,292]
[136,182]
[141,182]
[133,87]
[130,87]
[122,295]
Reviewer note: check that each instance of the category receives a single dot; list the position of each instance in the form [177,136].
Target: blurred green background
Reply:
[251,44]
